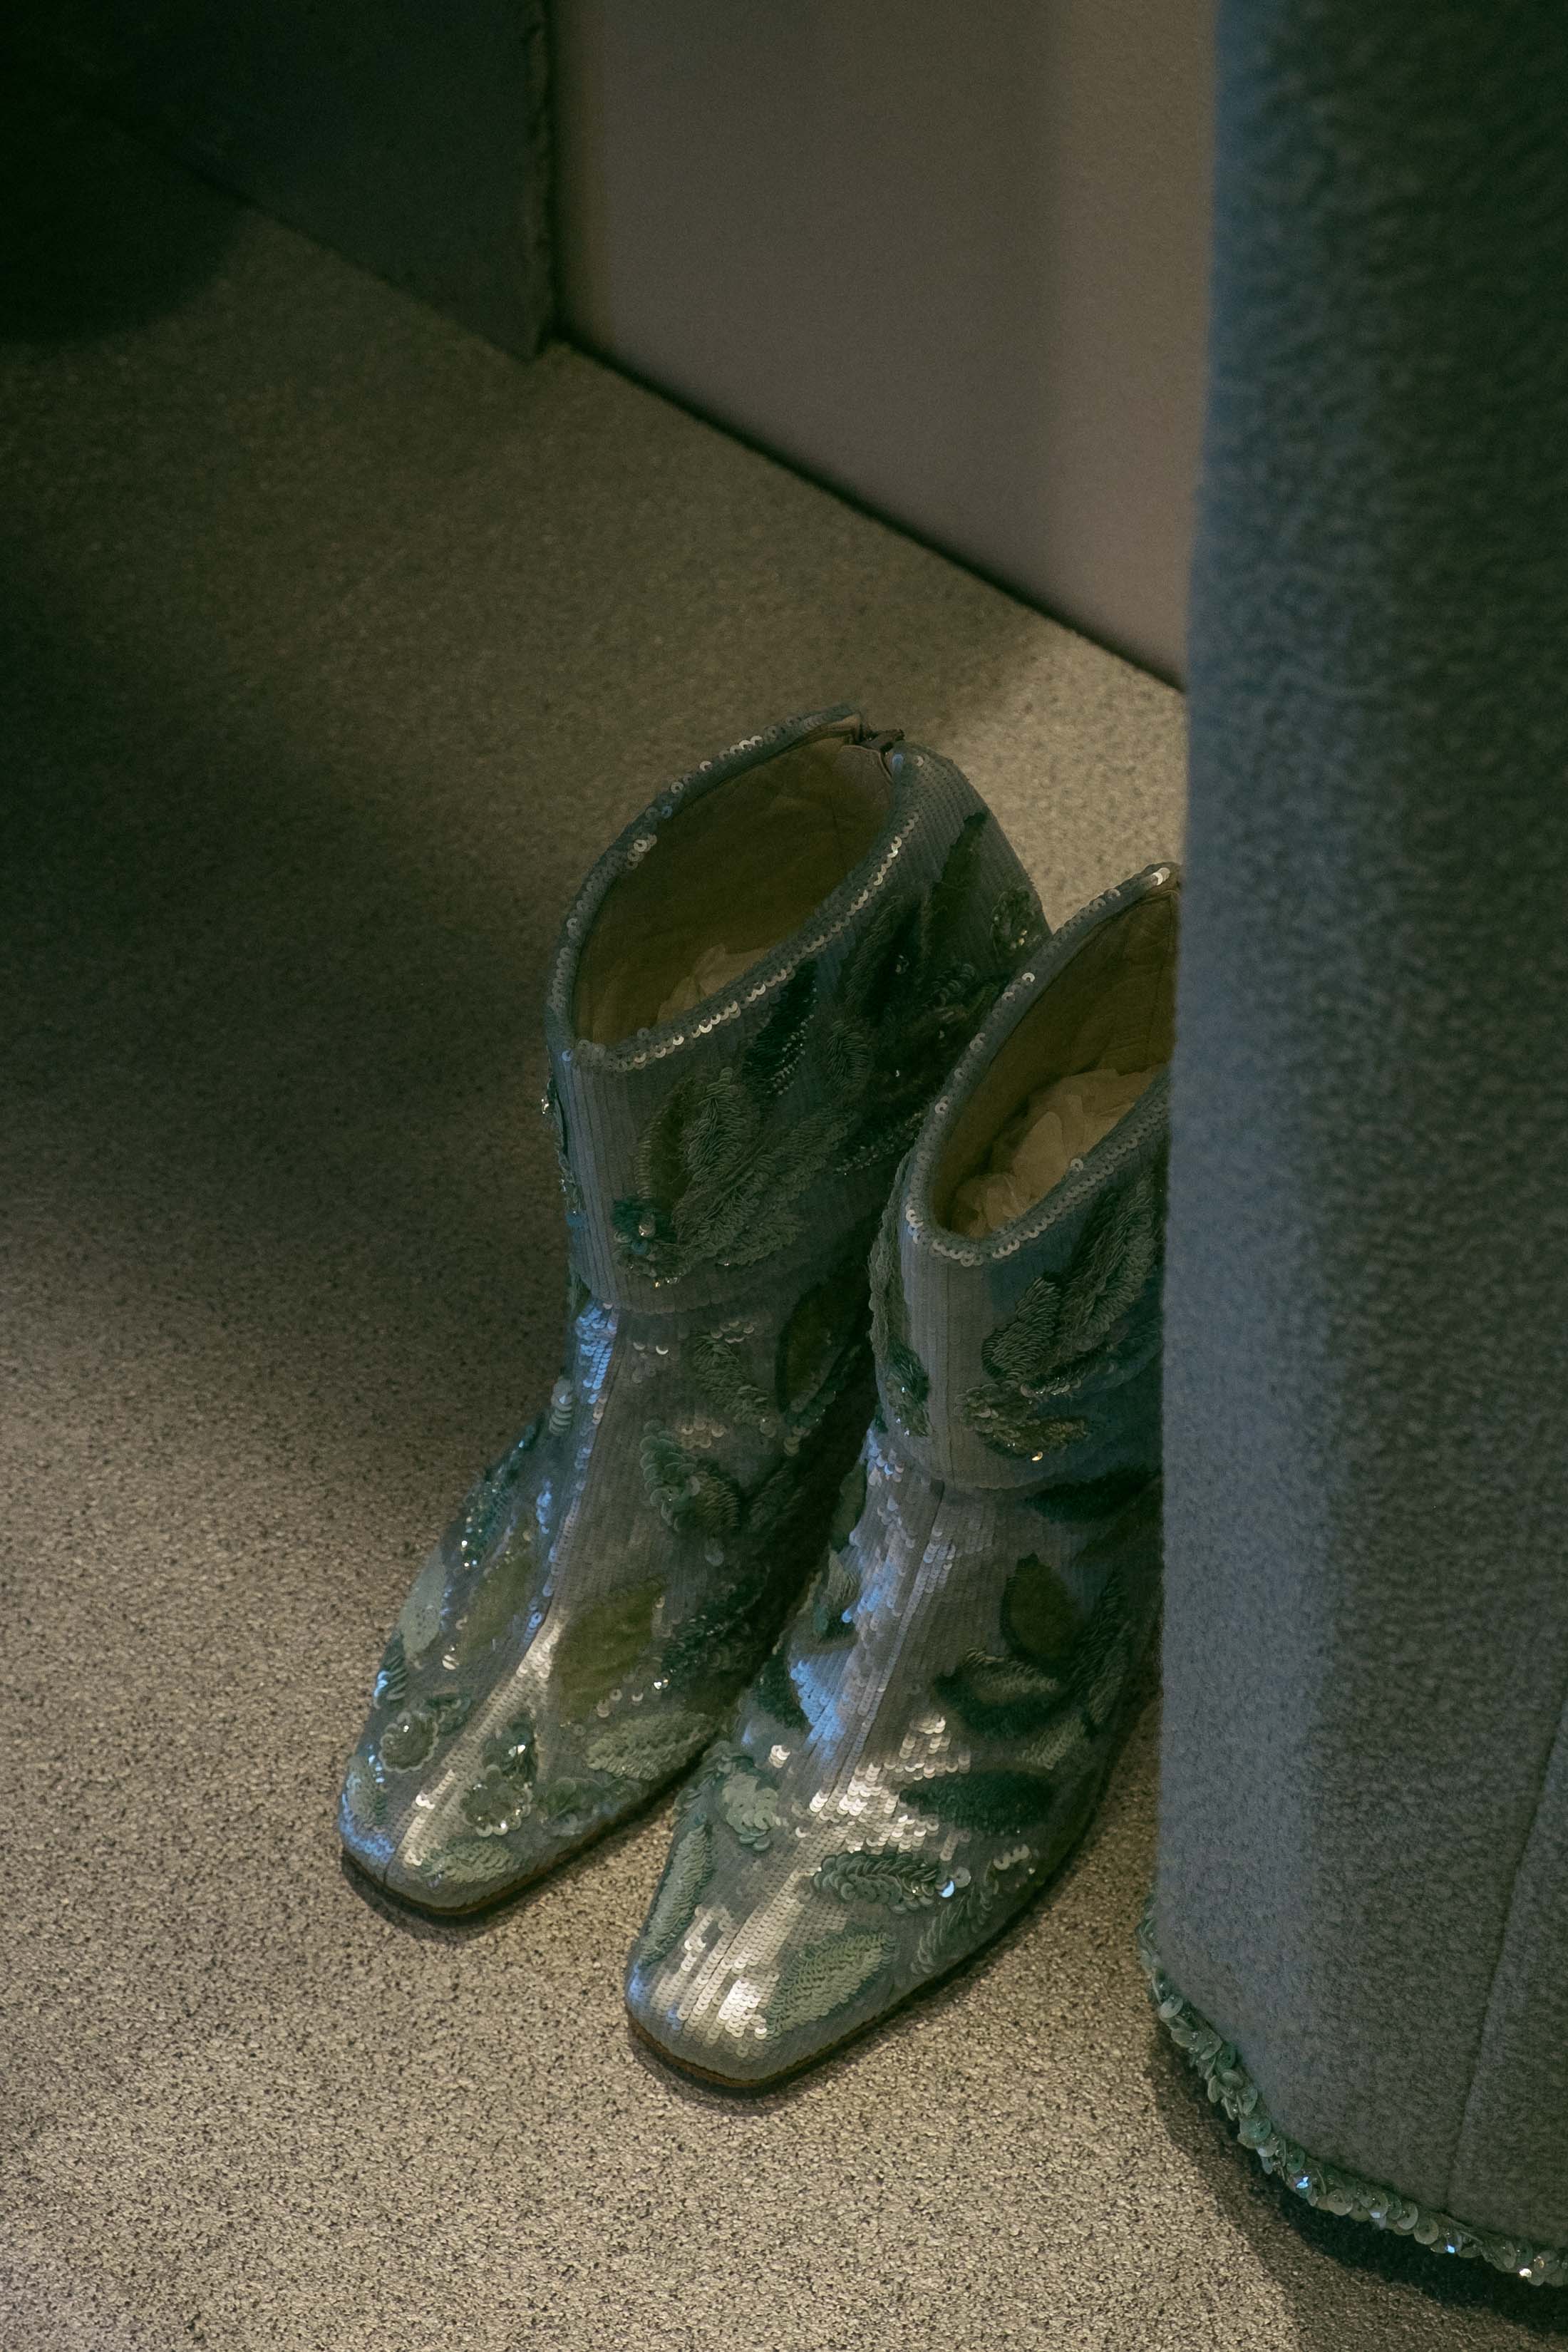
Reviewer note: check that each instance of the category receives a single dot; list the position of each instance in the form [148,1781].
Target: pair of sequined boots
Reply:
[848,1494]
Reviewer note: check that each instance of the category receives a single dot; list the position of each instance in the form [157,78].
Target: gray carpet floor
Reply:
[336,646]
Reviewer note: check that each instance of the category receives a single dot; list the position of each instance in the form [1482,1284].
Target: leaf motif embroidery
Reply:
[999,1804]
[1062,1336]
[685,1875]
[1040,1618]
[648,1747]
[502,1798]
[822,1978]
[1001,1698]
[449,1710]
[1103,1654]
[1049,1748]
[748,1800]
[962,1916]
[470,1862]
[902,1882]
[824,1324]
[569,1804]
[717,1365]
[598,1650]
[722,1164]
[774,1054]
[692,1495]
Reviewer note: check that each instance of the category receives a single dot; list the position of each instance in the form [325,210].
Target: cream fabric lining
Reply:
[711,973]
[1073,1067]
[725,881]
[1059,1123]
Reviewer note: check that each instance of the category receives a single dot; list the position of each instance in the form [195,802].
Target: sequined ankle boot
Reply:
[756,993]
[930,1736]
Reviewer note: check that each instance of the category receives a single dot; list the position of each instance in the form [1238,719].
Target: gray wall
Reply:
[952,259]
[413,137]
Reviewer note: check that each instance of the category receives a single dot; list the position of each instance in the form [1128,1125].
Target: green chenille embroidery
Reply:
[967,1908]
[772,1060]
[775,1691]
[598,1650]
[825,1976]
[716,1364]
[364,1799]
[835,1598]
[1048,1351]
[1327,2186]
[1048,1749]
[749,1802]
[902,1882]
[1103,1655]
[824,1330]
[648,1747]
[999,1804]
[907,1382]
[569,1804]
[1000,1698]
[693,1495]
[674,1906]
[730,1632]
[472,1861]
[1040,1619]
[722,1164]
[390,1684]
[721,1638]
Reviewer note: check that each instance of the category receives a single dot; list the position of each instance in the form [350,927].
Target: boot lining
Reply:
[1111,1008]
[725,881]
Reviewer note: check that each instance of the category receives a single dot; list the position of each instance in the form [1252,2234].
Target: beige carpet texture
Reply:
[337,645]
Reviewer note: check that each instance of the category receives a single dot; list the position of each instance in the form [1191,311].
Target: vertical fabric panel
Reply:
[1366,1386]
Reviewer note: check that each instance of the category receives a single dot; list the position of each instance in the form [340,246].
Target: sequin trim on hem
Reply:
[1232,2089]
